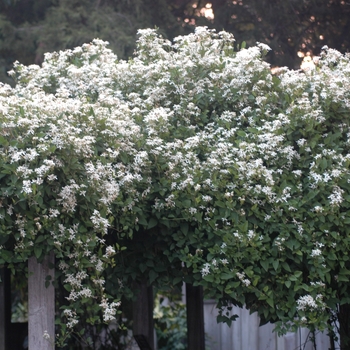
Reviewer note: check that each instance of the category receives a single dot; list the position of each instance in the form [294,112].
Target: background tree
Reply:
[28,28]
[288,27]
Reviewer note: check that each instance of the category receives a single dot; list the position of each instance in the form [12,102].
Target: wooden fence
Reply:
[245,334]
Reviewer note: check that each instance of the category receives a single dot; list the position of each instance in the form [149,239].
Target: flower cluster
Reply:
[109,310]
[308,302]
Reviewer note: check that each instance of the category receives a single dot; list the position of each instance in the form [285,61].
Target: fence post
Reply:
[195,317]
[41,304]
[143,313]
[5,308]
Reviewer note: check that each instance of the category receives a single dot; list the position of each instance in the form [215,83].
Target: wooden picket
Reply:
[245,334]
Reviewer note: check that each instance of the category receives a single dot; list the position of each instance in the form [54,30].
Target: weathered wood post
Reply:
[195,317]
[5,308]
[143,323]
[41,304]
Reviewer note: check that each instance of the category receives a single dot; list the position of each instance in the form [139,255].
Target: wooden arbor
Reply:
[41,306]
[42,313]
[143,316]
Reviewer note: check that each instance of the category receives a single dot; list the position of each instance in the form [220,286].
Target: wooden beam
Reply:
[5,308]
[195,317]
[143,324]
[41,304]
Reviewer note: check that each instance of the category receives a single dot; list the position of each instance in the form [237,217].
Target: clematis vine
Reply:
[242,175]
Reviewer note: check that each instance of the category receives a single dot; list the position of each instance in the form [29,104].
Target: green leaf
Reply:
[177,280]
[152,223]
[142,221]
[270,302]
[184,228]
[40,239]
[142,267]
[209,278]
[275,264]
[286,266]
[152,276]
[343,278]
[298,273]
[264,264]
[150,263]
[186,203]
[38,251]
[323,164]
[3,141]
[227,276]
[241,133]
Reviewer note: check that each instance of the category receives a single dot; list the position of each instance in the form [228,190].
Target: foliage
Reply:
[19,299]
[57,188]
[279,199]
[170,324]
[196,159]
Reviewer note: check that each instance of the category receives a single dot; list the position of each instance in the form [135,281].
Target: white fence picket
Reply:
[245,334]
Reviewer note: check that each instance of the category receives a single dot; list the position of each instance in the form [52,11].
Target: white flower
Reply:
[110,251]
[192,210]
[306,301]
[315,252]
[99,222]
[336,197]
[99,266]
[244,280]
[205,270]
[109,310]
[27,187]
[318,209]
[206,198]
[251,234]
[85,293]
[46,335]
[53,213]
[51,177]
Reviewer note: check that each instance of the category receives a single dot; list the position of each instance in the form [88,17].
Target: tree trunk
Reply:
[143,324]
[195,317]
[5,308]
[41,304]
[344,326]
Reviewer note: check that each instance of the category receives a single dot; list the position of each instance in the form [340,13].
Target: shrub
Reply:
[238,173]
